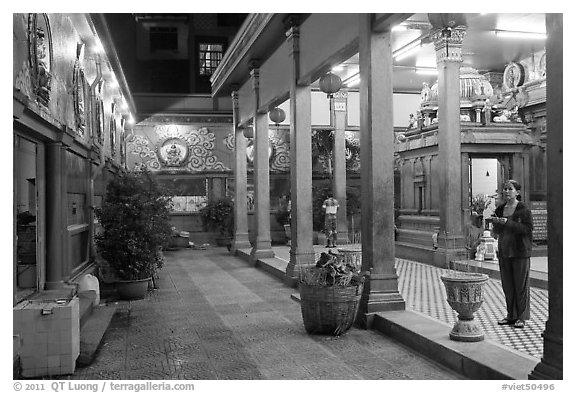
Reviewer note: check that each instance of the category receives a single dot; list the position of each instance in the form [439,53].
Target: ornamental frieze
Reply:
[177,150]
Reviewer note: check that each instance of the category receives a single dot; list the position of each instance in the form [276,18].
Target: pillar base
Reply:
[298,259]
[550,366]
[380,294]
[240,241]
[257,254]
[546,371]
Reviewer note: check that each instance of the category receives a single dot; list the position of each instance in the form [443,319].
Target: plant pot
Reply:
[223,241]
[132,289]
[464,293]
[288,233]
[329,310]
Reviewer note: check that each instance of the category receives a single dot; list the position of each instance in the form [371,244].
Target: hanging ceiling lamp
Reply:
[277,115]
[330,84]
[248,132]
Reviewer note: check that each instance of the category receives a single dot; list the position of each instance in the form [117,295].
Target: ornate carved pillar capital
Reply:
[292,23]
[293,38]
[255,76]
[234,96]
[448,43]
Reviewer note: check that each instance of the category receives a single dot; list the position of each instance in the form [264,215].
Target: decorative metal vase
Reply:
[464,293]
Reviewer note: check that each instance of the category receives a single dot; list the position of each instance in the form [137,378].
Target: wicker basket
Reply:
[329,309]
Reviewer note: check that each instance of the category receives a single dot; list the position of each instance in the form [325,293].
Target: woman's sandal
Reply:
[506,321]
[519,324]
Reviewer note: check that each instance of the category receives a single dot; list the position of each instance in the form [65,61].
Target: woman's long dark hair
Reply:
[516,185]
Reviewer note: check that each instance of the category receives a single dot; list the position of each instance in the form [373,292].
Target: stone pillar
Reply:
[240,181]
[551,364]
[451,239]
[301,250]
[377,173]
[263,246]
[338,114]
[56,225]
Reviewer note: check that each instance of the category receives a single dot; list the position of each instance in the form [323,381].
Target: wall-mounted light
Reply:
[426,71]
[520,34]
[407,49]
[97,46]
[400,27]
[112,83]
[123,104]
[352,81]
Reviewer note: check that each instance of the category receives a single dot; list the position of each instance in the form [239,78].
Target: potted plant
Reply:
[330,292]
[477,206]
[218,216]
[134,218]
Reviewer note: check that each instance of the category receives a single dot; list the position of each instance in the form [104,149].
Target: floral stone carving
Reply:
[464,293]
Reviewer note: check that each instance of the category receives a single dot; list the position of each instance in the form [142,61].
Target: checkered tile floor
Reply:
[424,292]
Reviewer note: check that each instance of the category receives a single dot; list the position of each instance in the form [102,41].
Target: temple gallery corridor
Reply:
[217,141]
[216,317]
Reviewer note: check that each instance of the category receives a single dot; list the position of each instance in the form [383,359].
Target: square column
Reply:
[240,239]
[552,362]
[448,47]
[263,246]
[301,251]
[56,199]
[339,174]
[377,173]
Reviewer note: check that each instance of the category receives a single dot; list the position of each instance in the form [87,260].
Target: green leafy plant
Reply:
[219,216]
[134,217]
[331,270]
[479,203]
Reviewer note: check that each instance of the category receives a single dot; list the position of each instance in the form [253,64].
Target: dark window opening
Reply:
[230,20]
[163,38]
[210,56]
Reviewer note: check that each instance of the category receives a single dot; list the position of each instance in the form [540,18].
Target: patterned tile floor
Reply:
[216,317]
[423,291]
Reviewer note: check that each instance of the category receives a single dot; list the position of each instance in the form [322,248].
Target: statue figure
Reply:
[412,122]
[487,109]
[425,93]
[173,155]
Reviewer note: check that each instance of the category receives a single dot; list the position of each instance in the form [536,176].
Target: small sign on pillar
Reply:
[340,106]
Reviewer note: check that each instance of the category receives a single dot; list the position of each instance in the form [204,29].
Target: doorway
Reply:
[28,212]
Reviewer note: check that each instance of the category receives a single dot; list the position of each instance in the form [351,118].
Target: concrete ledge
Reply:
[92,331]
[274,266]
[243,253]
[415,252]
[491,268]
[429,337]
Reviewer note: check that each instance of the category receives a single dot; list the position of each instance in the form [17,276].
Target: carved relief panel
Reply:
[40,56]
